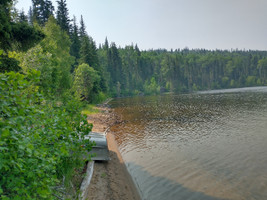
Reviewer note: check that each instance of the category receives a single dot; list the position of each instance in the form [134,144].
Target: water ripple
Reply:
[209,145]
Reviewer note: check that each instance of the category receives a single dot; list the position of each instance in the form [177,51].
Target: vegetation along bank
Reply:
[51,68]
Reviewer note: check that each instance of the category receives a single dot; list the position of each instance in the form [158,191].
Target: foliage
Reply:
[88,53]
[82,31]
[85,81]
[14,36]
[40,143]
[115,69]
[19,35]
[180,70]
[99,97]
[51,57]
[151,87]
[8,64]
[25,36]
[89,109]
[57,43]
[42,10]
[262,67]
[62,16]
[75,43]
[42,140]
[36,58]
[5,27]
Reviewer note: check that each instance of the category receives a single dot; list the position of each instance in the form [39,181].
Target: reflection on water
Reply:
[208,145]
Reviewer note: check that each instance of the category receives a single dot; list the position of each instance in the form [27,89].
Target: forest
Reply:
[70,60]
[50,68]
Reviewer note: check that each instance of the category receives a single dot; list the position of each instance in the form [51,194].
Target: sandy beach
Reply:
[111,180]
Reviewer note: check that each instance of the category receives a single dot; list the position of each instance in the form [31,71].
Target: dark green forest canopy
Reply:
[62,16]
[42,10]
[14,35]
[185,70]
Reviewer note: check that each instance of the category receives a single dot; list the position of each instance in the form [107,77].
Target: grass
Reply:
[103,175]
[90,109]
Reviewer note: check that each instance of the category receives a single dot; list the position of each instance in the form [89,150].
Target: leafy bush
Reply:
[41,141]
[151,87]
[85,80]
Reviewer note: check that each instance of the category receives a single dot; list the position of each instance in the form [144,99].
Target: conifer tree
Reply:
[23,17]
[62,16]
[115,67]
[86,51]
[106,45]
[82,28]
[42,9]
[75,42]
[5,26]
[30,16]
[88,55]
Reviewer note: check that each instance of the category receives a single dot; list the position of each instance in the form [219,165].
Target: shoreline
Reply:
[111,180]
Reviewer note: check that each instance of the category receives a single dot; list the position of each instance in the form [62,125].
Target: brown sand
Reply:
[111,180]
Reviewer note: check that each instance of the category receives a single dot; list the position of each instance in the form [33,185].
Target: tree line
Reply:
[107,70]
[156,71]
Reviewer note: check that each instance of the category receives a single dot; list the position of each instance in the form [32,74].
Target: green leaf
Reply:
[5,133]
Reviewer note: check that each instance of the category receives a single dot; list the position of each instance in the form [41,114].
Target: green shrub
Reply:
[41,141]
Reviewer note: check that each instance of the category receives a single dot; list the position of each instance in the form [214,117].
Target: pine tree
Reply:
[62,16]
[106,45]
[42,9]
[30,16]
[23,17]
[115,67]
[82,28]
[75,42]
[95,61]
[5,25]
[86,51]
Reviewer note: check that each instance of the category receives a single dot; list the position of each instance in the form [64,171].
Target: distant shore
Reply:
[111,180]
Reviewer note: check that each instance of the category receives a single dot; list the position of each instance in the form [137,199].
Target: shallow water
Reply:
[208,145]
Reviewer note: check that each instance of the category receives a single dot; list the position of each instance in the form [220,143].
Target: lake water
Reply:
[207,145]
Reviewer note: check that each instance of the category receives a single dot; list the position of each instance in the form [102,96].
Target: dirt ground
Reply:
[111,180]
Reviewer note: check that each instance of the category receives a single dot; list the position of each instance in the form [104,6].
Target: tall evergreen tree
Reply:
[23,17]
[63,16]
[30,16]
[88,55]
[75,42]
[115,67]
[42,9]
[82,31]
[5,25]
[106,45]
[85,51]
[88,52]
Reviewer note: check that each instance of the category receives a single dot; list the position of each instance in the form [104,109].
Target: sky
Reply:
[173,24]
